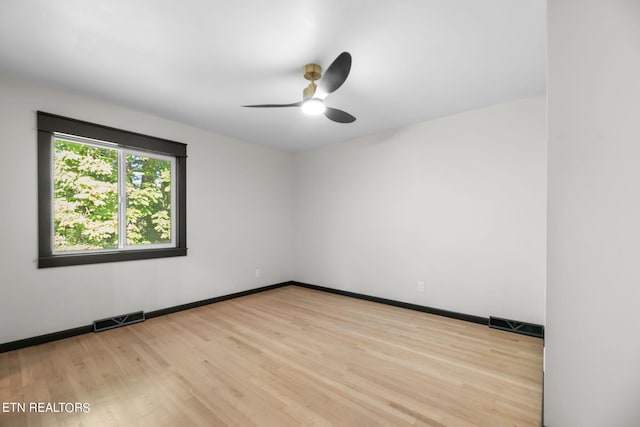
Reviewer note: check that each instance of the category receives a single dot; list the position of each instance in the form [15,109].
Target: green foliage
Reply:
[86,198]
[148,200]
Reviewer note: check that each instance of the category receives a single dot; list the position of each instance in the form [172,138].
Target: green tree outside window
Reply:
[87,211]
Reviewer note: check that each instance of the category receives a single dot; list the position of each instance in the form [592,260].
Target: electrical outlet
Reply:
[258,272]
[420,286]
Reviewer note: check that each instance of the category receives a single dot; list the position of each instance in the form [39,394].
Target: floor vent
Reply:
[517,327]
[117,321]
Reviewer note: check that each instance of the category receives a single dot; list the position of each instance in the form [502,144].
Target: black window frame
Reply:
[48,124]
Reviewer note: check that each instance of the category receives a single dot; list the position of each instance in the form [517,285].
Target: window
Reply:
[107,195]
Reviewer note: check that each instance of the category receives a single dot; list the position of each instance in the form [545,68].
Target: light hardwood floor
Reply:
[285,357]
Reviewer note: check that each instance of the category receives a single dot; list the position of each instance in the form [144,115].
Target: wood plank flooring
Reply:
[285,357]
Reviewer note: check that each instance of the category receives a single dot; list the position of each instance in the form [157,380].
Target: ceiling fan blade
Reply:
[336,74]
[295,104]
[338,115]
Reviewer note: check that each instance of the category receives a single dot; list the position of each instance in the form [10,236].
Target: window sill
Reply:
[85,258]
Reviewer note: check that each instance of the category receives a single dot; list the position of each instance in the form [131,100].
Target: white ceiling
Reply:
[198,61]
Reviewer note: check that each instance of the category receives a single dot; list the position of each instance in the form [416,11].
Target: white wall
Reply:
[593,295]
[458,202]
[239,218]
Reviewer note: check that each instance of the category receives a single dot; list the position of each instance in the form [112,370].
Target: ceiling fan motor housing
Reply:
[309,91]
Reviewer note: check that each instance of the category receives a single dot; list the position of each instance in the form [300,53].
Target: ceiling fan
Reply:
[313,95]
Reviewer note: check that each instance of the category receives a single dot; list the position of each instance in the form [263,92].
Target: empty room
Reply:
[296,213]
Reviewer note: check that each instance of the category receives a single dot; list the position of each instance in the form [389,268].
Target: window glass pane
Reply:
[148,183]
[85,197]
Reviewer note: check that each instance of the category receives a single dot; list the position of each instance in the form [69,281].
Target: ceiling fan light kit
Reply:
[313,95]
[313,106]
